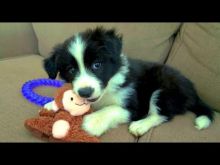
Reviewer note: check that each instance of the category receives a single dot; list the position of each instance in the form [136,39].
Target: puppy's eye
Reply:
[96,65]
[71,98]
[71,70]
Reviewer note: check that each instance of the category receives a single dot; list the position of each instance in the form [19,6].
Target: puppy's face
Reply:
[88,60]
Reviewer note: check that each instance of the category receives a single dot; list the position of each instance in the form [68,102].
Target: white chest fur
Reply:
[114,97]
[114,94]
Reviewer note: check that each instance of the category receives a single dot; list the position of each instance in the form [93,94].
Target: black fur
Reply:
[102,46]
[177,92]
[177,95]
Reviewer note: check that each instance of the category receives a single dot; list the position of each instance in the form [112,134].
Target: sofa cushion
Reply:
[150,41]
[15,109]
[181,129]
[196,53]
[17,39]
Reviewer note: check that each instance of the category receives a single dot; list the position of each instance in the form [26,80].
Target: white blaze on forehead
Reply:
[84,78]
[77,48]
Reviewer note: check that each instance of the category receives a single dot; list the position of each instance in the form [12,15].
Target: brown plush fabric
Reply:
[41,126]
[59,95]
[149,41]
[196,53]
[17,39]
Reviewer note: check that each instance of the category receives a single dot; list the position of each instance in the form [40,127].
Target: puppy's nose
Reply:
[86,92]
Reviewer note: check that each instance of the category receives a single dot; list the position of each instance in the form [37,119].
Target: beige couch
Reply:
[193,48]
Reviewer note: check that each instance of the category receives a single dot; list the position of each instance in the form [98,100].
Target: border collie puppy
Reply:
[122,89]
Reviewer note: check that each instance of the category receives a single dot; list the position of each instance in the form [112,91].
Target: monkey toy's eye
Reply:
[71,98]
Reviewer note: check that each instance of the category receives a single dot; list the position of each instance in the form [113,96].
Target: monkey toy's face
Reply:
[74,104]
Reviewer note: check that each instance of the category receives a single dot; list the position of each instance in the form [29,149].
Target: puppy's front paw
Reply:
[138,128]
[94,124]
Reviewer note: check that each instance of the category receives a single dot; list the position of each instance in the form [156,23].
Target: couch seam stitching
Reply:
[172,42]
[171,56]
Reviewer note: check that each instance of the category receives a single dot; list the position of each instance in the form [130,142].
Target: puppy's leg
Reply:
[154,118]
[99,122]
[140,127]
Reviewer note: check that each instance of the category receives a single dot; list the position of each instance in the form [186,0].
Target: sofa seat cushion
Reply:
[15,109]
[181,129]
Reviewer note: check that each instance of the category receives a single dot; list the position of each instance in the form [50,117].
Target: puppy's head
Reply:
[88,60]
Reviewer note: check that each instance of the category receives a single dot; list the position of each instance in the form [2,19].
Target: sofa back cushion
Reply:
[196,52]
[150,41]
[17,39]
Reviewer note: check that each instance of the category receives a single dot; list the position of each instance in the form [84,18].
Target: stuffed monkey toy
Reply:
[61,119]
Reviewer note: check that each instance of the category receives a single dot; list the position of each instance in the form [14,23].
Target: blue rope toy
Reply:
[30,95]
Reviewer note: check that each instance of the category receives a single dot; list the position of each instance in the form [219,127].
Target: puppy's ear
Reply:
[116,41]
[50,67]
[50,64]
